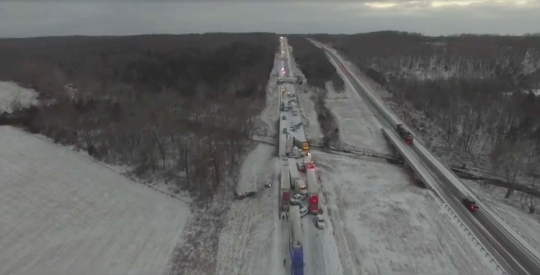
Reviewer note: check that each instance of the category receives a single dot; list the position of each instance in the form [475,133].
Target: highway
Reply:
[511,253]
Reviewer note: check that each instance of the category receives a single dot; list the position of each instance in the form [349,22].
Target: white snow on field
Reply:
[13,95]
[358,126]
[313,128]
[247,244]
[267,120]
[61,213]
[510,209]
[306,97]
[384,224]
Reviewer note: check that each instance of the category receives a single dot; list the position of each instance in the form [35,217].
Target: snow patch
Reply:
[14,96]
[389,225]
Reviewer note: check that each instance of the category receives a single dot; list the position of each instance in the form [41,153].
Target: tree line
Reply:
[178,106]
[314,64]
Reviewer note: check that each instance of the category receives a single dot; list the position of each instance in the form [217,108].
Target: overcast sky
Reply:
[25,18]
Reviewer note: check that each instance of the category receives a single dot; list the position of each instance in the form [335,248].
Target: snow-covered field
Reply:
[267,120]
[384,224]
[358,126]
[510,209]
[12,95]
[61,213]
[313,128]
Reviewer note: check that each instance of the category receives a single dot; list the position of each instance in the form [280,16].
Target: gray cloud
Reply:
[128,17]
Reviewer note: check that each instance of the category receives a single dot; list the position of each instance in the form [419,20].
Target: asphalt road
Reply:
[509,253]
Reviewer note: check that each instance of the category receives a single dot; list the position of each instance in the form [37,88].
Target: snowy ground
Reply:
[358,126]
[267,121]
[61,213]
[12,95]
[510,209]
[246,241]
[312,129]
[252,240]
[384,224]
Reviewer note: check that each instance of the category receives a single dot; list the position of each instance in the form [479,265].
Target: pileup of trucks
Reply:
[404,133]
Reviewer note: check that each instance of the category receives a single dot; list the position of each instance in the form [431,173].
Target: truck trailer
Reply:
[301,144]
[296,248]
[285,189]
[313,192]
[293,169]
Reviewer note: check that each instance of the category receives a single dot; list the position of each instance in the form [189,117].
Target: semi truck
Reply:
[299,184]
[293,168]
[282,145]
[307,163]
[296,248]
[289,146]
[303,145]
[285,188]
[313,192]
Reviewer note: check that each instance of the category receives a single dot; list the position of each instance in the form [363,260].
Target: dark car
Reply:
[471,205]
[249,194]
[239,196]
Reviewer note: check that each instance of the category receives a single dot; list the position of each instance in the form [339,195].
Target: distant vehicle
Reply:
[284,117]
[405,134]
[471,205]
[343,66]
[319,222]
[268,185]
[324,48]
[303,211]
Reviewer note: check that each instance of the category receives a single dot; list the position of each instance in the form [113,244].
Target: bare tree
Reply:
[509,159]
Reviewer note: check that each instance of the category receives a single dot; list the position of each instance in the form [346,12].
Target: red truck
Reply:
[313,192]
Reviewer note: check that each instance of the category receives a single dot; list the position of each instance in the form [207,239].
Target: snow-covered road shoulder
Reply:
[384,224]
[246,241]
[359,129]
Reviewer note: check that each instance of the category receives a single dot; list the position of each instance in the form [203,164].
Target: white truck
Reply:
[299,184]
[289,146]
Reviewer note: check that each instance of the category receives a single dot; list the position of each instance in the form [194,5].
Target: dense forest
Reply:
[314,64]
[478,90]
[159,103]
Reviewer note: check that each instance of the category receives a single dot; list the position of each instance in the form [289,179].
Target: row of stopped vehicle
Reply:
[404,133]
